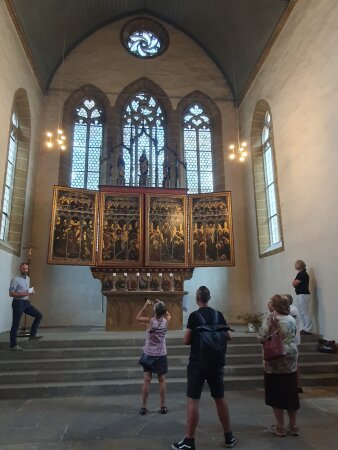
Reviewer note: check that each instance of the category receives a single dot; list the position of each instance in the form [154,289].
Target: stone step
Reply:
[95,362]
[110,352]
[132,386]
[104,366]
[13,360]
[242,338]
[113,373]
[32,352]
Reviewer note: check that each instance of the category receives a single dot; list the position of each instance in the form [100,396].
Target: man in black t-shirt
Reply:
[301,285]
[198,372]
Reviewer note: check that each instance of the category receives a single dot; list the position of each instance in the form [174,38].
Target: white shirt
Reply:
[295,313]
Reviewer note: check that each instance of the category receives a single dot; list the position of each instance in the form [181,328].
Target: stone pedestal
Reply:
[127,289]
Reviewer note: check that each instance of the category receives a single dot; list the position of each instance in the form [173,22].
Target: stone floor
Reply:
[103,423]
[113,422]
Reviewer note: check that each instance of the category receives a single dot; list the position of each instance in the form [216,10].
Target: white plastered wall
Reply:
[15,73]
[299,81]
[69,295]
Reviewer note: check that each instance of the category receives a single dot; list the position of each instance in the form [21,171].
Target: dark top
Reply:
[303,287]
[194,321]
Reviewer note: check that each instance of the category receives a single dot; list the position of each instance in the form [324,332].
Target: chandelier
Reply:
[57,139]
[239,150]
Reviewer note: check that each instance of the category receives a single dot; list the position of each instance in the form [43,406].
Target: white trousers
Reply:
[303,301]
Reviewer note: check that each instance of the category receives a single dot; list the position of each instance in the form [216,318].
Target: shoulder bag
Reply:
[273,347]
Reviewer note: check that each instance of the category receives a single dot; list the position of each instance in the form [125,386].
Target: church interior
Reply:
[242,71]
[148,147]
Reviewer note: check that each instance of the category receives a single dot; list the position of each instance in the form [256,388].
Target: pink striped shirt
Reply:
[155,344]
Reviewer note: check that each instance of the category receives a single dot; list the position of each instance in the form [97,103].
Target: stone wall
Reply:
[299,82]
[16,76]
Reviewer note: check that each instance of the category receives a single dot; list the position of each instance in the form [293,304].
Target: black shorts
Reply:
[160,367]
[196,377]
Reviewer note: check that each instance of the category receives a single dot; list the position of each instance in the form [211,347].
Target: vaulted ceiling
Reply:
[236,34]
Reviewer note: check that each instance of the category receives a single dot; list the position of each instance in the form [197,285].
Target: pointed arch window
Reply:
[9,177]
[270,181]
[197,139]
[143,124]
[268,210]
[87,145]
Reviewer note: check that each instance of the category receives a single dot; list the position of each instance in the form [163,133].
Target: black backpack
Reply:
[213,340]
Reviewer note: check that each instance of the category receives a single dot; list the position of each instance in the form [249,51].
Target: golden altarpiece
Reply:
[140,242]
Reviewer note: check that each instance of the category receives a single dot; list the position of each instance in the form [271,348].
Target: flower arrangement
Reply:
[255,319]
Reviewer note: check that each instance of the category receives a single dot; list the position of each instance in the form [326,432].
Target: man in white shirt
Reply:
[21,291]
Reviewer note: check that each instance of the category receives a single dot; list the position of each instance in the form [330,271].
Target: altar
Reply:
[140,242]
[126,293]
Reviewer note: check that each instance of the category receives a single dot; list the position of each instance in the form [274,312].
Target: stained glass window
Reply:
[144,38]
[87,145]
[144,44]
[9,178]
[198,150]
[143,132]
[270,182]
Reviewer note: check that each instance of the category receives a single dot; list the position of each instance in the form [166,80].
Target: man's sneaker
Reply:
[230,440]
[184,444]
[16,348]
[33,338]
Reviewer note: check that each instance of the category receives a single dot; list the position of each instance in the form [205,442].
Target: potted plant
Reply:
[252,320]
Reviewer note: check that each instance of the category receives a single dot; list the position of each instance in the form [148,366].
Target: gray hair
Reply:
[301,263]
[288,297]
[160,309]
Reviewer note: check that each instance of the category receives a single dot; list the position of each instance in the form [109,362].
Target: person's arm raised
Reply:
[140,317]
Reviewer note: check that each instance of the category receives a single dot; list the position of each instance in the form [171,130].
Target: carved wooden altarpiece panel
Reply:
[211,235]
[73,227]
[166,233]
[121,229]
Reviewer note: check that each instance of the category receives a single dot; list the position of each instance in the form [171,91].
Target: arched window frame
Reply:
[9,177]
[144,131]
[75,99]
[86,150]
[196,122]
[268,211]
[20,134]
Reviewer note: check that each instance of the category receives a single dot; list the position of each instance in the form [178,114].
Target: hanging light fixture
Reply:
[239,150]
[57,139]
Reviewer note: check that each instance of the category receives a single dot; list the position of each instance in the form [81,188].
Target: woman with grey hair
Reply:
[154,356]
[280,375]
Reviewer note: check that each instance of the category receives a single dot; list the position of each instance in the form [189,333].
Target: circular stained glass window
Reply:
[144,38]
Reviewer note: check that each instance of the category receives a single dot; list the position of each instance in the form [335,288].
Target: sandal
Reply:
[164,410]
[293,431]
[143,411]
[281,432]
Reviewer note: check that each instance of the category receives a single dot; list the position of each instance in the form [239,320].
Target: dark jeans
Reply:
[19,307]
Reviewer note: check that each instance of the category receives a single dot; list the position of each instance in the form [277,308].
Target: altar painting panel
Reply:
[73,227]
[121,235]
[166,239]
[211,234]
